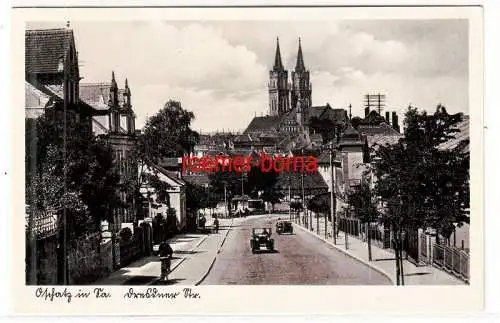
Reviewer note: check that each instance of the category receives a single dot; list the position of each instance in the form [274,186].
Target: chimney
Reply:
[387,117]
[395,122]
[367,110]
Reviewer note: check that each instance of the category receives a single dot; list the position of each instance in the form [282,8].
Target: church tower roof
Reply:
[278,65]
[300,66]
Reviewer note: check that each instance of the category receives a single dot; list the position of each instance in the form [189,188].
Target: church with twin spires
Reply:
[285,96]
[292,121]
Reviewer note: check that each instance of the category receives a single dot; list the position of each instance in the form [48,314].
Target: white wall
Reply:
[177,199]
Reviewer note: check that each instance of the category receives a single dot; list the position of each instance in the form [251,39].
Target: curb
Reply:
[347,253]
[199,243]
[171,270]
[180,261]
[215,257]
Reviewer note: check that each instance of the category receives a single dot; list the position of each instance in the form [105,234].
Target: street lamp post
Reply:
[333,202]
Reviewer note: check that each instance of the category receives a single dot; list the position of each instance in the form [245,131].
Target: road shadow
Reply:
[142,262]
[187,252]
[263,252]
[183,240]
[139,280]
[185,237]
[168,282]
[384,259]
[418,274]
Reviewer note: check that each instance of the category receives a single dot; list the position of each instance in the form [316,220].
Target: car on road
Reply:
[283,226]
[261,240]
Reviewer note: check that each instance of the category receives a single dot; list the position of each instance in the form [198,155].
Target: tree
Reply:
[166,134]
[263,183]
[420,184]
[225,185]
[71,174]
[296,206]
[365,209]
[319,204]
[271,195]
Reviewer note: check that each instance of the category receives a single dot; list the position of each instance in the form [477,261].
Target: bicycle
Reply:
[165,267]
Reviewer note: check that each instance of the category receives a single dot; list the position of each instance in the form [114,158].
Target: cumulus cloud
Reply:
[219,70]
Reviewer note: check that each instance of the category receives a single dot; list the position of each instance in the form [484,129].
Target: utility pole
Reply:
[225,200]
[375,100]
[242,190]
[317,224]
[303,192]
[333,201]
[369,218]
[65,222]
[289,199]
[326,225]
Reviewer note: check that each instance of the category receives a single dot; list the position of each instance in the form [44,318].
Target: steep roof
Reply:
[461,138]
[381,134]
[337,116]
[97,95]
[311,181]
[34,97]
[198,179]
[44,48]
[173,176]
[380,129]
[259,124]
[351,137]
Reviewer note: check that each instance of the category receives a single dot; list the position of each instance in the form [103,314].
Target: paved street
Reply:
[299,259]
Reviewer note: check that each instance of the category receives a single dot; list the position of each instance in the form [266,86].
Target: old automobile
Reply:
[261,240]
[283,226]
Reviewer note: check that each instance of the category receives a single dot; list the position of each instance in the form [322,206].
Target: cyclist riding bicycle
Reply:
[165,252]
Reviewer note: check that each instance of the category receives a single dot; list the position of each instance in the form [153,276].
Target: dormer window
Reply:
[60,66]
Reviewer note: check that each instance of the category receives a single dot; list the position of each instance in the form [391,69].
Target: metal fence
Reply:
[379,235]
[452,260]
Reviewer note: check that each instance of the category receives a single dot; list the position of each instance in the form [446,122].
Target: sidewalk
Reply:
[201,259]
[193,255]
[382,259]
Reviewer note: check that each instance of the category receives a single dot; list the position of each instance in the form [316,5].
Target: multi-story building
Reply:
[115,122]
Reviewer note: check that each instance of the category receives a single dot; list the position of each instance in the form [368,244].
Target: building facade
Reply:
[114,121]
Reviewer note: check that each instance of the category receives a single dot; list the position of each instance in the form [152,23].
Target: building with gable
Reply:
[52,87]
[115,122]
[52,75]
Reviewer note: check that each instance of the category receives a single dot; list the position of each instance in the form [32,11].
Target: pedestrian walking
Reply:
[216,225]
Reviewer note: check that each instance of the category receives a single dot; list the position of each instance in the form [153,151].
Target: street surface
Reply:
[299,259]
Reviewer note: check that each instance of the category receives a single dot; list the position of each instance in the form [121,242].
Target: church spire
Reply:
[300,67]
[113,91]
[278,65]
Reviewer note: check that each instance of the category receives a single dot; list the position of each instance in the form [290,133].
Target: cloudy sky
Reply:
[219,70]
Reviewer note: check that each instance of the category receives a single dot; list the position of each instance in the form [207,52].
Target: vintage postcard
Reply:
[247,160]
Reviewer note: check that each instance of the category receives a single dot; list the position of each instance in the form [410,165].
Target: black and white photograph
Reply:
[188,153]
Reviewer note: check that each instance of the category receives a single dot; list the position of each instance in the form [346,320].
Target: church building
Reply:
[292,120]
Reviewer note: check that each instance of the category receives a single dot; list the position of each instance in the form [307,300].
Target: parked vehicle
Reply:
[284,226]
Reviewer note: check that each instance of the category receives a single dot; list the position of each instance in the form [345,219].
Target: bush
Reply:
[126,234]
